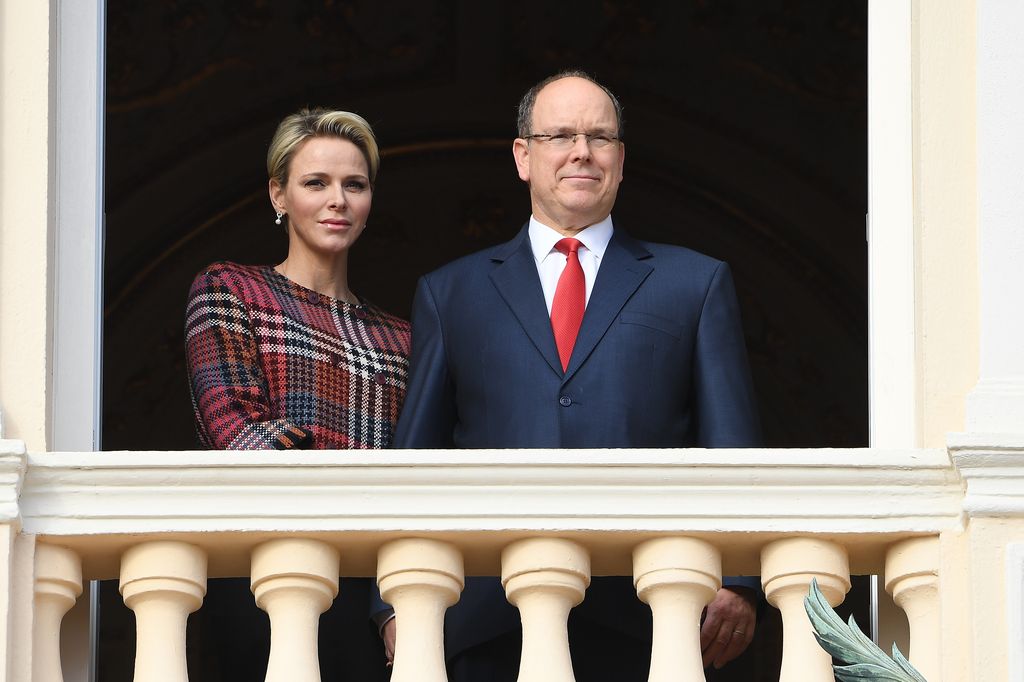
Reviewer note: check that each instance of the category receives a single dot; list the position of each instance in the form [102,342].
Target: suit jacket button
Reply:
[565,401]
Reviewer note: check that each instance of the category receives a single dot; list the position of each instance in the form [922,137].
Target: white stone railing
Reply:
[677,520]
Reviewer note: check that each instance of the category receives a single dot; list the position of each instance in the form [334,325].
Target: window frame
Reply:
[77,125]
[76,407]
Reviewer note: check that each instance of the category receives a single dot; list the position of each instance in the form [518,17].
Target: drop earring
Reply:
[278,221]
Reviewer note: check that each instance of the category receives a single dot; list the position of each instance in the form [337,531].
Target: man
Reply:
[575,335]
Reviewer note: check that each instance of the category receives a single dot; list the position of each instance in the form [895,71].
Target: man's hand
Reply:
[387,633]
[728,626]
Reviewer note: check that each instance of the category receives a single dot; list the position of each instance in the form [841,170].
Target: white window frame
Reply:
[77,125]
[78,327]
[892,321]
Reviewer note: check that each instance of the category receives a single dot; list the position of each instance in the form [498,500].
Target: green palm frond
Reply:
[863,659]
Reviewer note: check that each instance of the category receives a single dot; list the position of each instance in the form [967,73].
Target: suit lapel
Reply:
[622,272]
[517,281]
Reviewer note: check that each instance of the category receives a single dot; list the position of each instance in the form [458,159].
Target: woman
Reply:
[287,356]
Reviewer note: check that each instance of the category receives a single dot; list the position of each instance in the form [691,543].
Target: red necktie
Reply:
[570,300]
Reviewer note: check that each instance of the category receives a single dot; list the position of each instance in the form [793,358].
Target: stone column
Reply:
[912,578]
[787,568]
[294,580]
[162,582]
[420,578]
[545,578]
[58,584]
[678,577]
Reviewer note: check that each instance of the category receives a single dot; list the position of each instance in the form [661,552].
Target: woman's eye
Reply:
[356,186]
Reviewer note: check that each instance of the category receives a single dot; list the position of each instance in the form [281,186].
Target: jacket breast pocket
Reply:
[661,324]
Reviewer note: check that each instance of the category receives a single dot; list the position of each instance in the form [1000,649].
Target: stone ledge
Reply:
[992,468]
[754,491]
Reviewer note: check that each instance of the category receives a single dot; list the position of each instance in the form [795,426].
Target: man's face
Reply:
[572,187]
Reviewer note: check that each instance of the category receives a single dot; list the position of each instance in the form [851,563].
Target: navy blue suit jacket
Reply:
[660,361]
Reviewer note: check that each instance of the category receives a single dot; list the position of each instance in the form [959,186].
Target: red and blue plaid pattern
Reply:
[274,365]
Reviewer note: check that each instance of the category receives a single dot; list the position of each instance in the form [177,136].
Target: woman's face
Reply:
[327,197]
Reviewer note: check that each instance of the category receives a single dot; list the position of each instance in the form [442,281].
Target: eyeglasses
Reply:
[568,140]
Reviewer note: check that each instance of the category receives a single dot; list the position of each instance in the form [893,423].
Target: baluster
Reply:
[58,583]
[678,577]
[420,578]
[294,580]
[912,578]
[545,578]
[162,582]
[787,568]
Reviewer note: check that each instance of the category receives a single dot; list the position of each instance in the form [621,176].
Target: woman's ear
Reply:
[276,196]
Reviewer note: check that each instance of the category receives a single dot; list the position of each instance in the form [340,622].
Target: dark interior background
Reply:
[746,137]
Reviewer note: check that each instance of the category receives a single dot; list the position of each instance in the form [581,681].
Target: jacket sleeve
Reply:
[724,394]
[724,401]
[428,417]
[229,393]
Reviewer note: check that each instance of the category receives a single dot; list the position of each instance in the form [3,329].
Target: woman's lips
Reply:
[335,224]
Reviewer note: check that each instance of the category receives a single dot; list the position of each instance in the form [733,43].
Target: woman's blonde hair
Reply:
[299,127]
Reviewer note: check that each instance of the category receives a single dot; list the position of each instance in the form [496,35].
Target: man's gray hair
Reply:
[525,120]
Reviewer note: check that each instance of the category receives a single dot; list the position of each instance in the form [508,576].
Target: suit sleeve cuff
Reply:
[381,618]
[751,581]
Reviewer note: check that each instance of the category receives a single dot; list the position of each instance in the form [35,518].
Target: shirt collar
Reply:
[595,238]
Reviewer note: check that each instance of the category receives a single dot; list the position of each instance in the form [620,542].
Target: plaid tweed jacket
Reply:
[274,365]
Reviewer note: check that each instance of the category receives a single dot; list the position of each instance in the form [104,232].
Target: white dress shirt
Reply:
[550,262]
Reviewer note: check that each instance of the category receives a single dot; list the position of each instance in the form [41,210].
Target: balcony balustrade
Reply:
[544,521]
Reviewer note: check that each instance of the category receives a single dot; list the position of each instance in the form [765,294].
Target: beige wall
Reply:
[945,214]
[987,595]
[957,608]
[25,219]
[7,535]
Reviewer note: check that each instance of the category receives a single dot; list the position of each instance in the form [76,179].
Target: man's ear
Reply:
[521,152]
[622,159]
